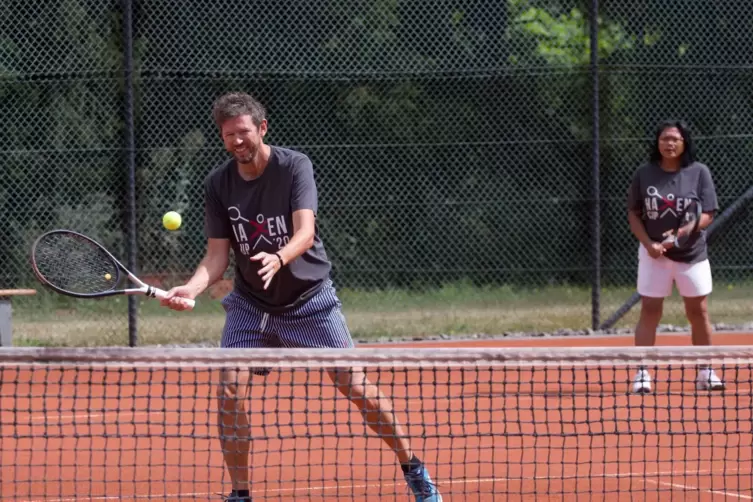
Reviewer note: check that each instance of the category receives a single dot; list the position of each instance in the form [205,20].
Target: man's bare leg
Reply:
[232,394]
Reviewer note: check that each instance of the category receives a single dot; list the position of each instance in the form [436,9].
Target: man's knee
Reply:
[232,389]
[352,383]
[227,392]
[355,385]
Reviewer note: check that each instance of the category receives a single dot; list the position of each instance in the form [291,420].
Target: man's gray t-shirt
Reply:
[257,216]
[659,195]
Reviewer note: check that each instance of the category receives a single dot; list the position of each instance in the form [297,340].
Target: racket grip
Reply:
[158,293]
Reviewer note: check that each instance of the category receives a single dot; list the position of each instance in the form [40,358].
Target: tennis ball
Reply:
[171,220]
[108,277]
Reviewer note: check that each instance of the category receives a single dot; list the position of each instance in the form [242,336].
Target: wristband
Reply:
[282,263]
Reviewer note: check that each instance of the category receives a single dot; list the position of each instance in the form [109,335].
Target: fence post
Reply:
[130,212]
[596,189]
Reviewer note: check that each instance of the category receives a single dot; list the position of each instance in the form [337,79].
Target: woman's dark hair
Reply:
[688,154]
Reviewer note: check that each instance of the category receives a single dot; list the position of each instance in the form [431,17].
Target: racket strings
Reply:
[75,264]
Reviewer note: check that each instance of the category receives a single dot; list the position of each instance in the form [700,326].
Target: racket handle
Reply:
[158,293]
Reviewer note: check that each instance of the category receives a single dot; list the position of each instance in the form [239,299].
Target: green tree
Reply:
[60,147]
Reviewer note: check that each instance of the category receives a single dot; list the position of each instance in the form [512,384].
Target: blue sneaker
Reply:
[234,497]
[422,486]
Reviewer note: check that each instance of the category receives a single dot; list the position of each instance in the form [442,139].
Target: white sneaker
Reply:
[707,380]
[642,382]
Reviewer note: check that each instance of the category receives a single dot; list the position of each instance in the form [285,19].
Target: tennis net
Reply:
[488,424]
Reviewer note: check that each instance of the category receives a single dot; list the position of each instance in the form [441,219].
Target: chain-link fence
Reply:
[452,142]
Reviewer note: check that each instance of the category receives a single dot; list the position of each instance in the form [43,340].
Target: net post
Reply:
[131,245]
[595,186]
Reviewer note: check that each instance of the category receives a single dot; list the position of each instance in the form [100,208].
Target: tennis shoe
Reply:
[234,497]
[708,380]
[642,382]
[422,486]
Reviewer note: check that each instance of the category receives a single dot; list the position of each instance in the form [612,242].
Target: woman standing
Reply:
[658,191]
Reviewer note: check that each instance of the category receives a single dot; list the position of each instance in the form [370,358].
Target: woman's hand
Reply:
[655,249]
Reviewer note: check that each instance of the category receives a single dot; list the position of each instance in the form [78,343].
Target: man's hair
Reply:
[237,104]
[688,155]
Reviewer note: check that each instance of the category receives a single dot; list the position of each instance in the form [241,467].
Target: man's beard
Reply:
[246,157]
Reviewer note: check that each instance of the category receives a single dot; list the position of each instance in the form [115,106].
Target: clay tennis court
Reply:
[545,433]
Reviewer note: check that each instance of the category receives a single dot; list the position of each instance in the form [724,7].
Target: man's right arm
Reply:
[217,230]
[211,268]
[217,255]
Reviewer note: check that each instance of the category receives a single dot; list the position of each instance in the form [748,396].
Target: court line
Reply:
[471,481]
[690,487]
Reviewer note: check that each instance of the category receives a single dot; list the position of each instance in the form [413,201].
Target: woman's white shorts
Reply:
[656,276]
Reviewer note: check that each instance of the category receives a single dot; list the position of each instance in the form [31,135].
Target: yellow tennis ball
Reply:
[171,220]
[108,277]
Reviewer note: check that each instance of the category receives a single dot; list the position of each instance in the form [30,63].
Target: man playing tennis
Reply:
[262,202]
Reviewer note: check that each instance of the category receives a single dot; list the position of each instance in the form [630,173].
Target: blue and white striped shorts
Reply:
[317,323]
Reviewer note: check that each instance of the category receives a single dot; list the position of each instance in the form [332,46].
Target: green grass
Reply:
[455,310]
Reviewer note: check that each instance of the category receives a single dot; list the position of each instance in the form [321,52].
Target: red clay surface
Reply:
[514,434]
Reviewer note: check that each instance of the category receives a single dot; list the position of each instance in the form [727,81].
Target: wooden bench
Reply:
[6,335]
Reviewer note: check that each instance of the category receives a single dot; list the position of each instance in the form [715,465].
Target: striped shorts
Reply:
[317,323]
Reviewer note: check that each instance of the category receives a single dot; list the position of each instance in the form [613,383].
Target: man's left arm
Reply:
[303,236]
[303,204]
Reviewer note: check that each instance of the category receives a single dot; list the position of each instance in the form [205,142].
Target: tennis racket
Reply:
[75,265]
[688,221]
